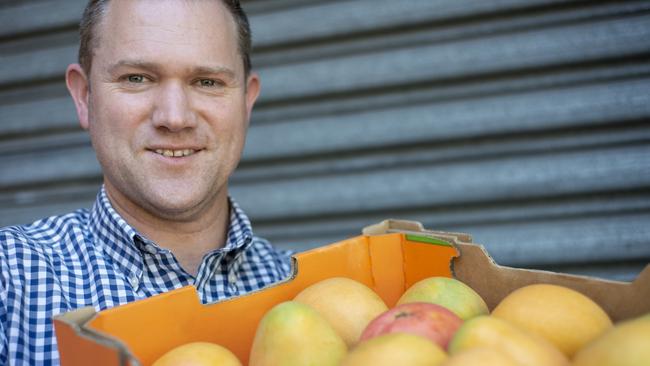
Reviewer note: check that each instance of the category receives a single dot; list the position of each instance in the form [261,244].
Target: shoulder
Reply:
[32,256]
[43,235]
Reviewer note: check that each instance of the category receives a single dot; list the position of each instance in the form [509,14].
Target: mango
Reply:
[294,334]
[626,344]
[565,317]
[395,349]
[348,305]
[198,354]
[480,356]
[524,348]
[448,292]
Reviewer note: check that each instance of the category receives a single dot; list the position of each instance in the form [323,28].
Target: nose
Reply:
[173,110]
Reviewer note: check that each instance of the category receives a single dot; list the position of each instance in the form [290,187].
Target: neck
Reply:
[190,239]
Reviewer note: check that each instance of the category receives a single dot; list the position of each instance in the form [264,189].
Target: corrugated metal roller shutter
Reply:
[521,122]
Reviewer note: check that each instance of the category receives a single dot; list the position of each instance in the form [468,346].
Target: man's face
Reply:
[168,106]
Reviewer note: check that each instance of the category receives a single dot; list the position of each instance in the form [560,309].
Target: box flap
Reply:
[77,343]
[621,300]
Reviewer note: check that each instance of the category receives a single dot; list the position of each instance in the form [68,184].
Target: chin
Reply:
[171,205]
[169,199]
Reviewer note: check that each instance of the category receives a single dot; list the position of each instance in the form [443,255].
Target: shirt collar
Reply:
[121,242]
[240,231]
[239,239]
[115,237]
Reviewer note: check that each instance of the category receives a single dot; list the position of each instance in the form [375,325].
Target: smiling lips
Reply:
[175,153]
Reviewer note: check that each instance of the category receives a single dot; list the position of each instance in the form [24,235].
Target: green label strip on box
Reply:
[428,240]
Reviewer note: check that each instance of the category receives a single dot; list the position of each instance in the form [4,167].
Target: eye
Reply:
[207,83]
[135,79]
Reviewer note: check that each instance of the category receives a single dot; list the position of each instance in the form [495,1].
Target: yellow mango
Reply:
[348,305]
[565,317]
[294,334]
[626,344]
[490,332]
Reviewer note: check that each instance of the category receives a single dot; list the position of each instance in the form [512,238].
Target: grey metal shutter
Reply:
[522,122]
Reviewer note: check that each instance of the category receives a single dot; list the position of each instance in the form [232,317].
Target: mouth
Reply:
[175,153]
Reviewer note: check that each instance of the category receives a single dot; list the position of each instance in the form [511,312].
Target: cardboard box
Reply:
[389,257]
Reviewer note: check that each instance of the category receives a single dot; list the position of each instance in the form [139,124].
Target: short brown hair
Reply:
[96,9]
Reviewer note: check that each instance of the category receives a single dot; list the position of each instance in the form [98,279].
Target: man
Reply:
[165,90]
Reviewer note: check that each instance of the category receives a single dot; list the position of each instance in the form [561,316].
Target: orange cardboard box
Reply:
[389,257]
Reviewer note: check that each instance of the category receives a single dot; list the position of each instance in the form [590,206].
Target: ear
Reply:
[77,82]
[252,92]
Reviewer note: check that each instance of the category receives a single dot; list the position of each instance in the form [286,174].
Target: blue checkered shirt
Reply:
[94,258]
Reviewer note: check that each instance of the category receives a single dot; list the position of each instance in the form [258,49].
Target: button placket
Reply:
[207,272]
[232,273]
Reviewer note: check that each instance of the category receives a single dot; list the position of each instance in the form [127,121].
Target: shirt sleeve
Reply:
[4,345]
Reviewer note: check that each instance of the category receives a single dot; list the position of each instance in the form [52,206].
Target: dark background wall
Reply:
[522,122]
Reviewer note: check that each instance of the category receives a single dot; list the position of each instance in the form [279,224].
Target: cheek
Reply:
[237,128]
[121,108]
[227,122]
[120,112]
[229,135]
[114,124]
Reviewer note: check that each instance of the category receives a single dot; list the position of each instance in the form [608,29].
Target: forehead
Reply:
[167,31]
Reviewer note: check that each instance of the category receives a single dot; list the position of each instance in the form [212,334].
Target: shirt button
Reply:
[133,280]
[232,278]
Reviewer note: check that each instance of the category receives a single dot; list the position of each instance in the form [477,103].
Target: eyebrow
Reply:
[133,63]
[139,64]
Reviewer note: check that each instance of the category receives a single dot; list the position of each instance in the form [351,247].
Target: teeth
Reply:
[175,153]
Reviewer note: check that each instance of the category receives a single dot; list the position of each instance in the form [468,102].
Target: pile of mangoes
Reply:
[437,321]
